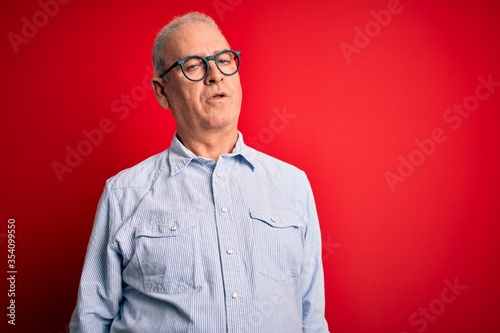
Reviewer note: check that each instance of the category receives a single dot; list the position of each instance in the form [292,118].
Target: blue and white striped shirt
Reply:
[183,244]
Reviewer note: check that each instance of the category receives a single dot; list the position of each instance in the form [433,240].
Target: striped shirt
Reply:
[183,244]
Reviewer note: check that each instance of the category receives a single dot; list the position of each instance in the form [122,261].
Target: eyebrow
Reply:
[214,53]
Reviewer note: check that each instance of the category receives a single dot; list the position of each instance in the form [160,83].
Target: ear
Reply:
[159,89]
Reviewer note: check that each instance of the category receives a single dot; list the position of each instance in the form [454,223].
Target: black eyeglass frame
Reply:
[205,59]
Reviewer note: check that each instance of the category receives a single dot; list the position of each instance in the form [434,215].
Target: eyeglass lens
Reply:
[195,67]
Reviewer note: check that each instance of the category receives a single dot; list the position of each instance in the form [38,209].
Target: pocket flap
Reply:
[277,218]
[168,227]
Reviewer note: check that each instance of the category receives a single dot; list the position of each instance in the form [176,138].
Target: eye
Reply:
[193,64]
[225,59]
[191,67]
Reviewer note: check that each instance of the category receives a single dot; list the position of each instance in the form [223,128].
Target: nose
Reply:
[214,75]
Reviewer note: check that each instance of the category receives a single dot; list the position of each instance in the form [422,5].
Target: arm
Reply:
[100,292]
[313,295]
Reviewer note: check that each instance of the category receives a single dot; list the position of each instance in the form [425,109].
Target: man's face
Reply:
[211,104]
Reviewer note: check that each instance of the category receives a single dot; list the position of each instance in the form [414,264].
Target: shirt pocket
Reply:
[168,254]
[278,242]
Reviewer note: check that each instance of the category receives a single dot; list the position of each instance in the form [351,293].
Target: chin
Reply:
[222,122]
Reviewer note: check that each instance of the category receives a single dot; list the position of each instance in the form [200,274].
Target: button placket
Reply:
[225,229]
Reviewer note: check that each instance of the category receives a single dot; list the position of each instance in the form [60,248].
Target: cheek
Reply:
[236,88]
[186,97]
[239,95]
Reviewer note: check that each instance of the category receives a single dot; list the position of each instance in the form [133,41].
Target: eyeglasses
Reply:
[195,68]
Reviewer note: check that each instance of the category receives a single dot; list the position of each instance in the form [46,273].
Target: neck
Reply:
[209,145]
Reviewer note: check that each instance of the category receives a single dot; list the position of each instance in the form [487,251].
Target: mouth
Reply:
[217,96]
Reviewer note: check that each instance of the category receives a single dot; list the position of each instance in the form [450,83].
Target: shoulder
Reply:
[276,167]
[141,175]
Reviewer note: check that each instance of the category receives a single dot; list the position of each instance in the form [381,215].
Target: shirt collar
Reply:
[179,156]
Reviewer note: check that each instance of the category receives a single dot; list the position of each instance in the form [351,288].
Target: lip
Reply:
[217,95]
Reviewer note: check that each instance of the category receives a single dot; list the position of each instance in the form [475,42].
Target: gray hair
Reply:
[159,52]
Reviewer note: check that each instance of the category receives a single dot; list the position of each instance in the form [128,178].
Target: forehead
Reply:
[197,38]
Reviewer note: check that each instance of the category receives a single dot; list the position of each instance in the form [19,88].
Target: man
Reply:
[210,235]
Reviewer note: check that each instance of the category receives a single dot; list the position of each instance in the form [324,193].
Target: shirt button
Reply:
[234,295]
[224,209]
[273,219]
[173,228]
[230,251]
[218,175]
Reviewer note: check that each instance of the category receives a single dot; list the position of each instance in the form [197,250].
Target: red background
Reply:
[387,252]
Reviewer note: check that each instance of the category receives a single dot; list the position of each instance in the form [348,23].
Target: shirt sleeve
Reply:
[100,291]
[313,295]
